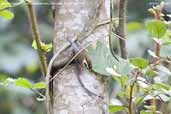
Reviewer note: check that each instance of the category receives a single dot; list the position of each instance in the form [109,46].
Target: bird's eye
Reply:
[85,64]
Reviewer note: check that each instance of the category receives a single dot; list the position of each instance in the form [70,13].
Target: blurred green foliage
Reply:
[18,58]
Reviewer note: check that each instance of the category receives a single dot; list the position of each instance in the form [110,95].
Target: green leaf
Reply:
[166,42]
[101,58]
[121,94]
[159,86]
[121,80]
[146,112]
[150,72]
[7,14]
[39,85]
[138,100]
[167,35]
[139,62]
[7,81]
[115,108]
[44,47]
[22,82]
[156,28]
[34,45]
[4,4]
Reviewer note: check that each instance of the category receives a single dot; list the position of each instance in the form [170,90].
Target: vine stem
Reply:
[35,31]
[121,29]
[131,93]
[157,51]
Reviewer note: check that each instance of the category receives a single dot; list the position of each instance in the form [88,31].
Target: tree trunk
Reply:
[72,18]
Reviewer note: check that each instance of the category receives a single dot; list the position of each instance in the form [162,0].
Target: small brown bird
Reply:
[83,59]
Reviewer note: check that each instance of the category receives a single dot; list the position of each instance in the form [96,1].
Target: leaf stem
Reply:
[157,43]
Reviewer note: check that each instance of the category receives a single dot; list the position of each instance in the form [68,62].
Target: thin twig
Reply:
[131,93]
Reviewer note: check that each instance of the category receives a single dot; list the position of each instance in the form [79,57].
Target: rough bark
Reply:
[78,17]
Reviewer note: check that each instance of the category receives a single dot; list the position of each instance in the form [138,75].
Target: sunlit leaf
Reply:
[146,112]
[161,86]
[44,47]
[6,14]
[7,81]
[22,82]
[47,47]
[139,100]
[121,94]
[150,72]
[4,4]
[121,80]
[139,62]
[113,108]
[39,85]
[156,28]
